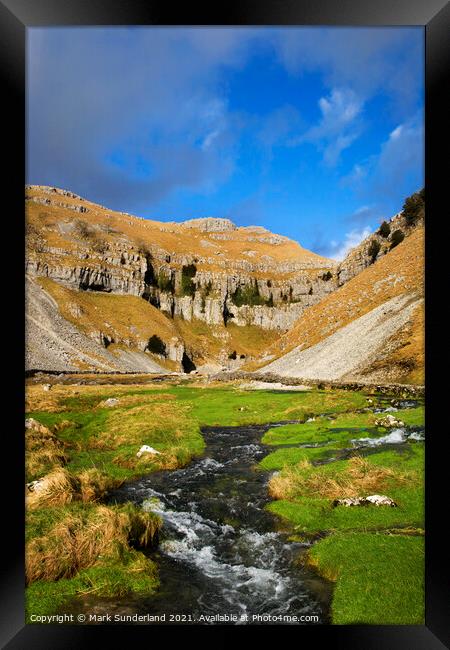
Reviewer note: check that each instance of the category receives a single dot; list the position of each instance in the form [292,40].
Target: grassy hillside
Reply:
[52,224]
[398,273]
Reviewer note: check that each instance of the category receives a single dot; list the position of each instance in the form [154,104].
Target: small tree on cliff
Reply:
[397,237]
[373,250]
[384,230]
[187,286]
[414,207]
[156,345]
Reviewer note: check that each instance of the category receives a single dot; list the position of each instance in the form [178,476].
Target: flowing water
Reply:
[221,553]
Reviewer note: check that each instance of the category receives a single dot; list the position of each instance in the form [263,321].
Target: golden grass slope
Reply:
[44,223]
[122,317]
[401,272]
[131,321]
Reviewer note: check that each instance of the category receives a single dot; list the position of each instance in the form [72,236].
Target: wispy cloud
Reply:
[367,60]
[339,125]
[339,250]
[364,214]
[398,165]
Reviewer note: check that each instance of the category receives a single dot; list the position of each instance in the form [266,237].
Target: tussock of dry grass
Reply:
[93,484]
[359,478]
[59,487]
[79,540]
[43,450]
[143,424]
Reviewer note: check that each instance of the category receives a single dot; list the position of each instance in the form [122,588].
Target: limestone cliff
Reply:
[370,329]
[201,270]
[384,239]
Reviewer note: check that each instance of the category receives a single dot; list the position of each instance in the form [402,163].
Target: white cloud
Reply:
[368,60]
[339,125]
[209,139]
[396,133]
[352,239]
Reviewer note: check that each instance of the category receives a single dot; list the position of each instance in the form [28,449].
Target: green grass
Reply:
[340,429]
[109,438]
[291,456]
[314,514]
[169,419]
[323,429]
[379,578]
[132,573]
[221,406]
[369,552]
[411,417]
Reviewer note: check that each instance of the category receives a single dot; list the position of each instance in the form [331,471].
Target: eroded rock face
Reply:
[210,224]
[373,247]
[88,260]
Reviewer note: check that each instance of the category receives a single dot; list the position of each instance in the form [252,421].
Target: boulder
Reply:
[35,486]
[374,499]
[388,422]
[381,500]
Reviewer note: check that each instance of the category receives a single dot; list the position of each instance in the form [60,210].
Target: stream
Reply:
[221,554]
[222,557]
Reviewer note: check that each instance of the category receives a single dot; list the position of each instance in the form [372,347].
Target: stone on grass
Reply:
[34,425]
[145,449]
[388,422]
[374,499]
[381,500]
[111,401]
[35,486]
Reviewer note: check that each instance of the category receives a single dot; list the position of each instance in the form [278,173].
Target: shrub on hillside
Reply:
[248,295]
[87,233]
[156,345]
[384,230]
[187,285]
[397,237]
[414,207]
[83,229]
[373,250]
[165,282]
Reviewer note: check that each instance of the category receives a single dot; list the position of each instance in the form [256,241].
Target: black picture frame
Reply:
[15,17]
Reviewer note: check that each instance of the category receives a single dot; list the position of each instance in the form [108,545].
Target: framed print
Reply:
[232,293]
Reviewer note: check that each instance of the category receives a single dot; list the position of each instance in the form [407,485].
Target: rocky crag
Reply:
[370,329]
[111,291]
[390,233]
[199,271]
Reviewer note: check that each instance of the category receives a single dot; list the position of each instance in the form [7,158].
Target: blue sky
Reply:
[315,133]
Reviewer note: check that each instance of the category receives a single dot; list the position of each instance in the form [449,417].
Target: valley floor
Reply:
[82,441]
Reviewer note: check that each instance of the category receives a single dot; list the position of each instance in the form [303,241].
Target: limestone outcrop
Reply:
[208,269]
[378,244]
